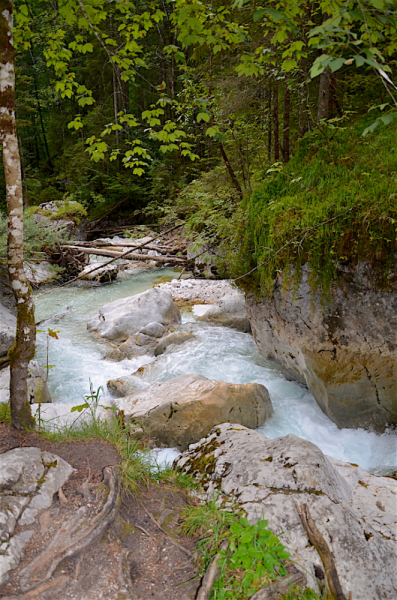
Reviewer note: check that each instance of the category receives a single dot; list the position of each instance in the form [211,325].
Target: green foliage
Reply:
[36,236]
[5,412]
[334,203]
[254,557]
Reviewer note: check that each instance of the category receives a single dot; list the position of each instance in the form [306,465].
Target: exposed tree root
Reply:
[211,575]
[171,539]
[75,535]
[273,591]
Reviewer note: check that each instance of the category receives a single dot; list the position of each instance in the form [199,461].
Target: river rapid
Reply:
[219,353]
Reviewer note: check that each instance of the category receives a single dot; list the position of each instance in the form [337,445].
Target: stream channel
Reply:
[219,353]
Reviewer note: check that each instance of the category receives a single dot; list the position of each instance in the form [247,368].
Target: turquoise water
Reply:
[218,353]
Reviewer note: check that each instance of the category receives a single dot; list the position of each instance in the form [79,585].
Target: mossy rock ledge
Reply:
[354,511]
[344,348]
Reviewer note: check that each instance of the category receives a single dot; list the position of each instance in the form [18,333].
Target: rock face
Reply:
[184,409]
[354,511]
[119,320]
[37,386]
[8,324]
[40,273]
[345,352]
[28,480]
[229,311]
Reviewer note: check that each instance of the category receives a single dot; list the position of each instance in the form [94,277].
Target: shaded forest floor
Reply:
[143,546]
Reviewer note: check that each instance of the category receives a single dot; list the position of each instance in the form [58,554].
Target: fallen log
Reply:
[131,255]
[142,246]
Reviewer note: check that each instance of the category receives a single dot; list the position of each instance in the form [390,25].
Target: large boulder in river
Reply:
[344,350]
[354,511]
[229,311]
[119,320]
[8,325]
[184,409]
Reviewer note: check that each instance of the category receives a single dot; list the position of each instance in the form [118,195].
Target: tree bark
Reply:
[275,123]
[286,123]
[230,170]
[269,124]
[24,348]
[324,95]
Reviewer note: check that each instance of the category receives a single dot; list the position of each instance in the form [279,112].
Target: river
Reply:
[219,353]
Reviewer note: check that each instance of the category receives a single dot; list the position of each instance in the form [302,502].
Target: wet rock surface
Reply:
[354,511]
[119,320]
[184,409]
[345,351]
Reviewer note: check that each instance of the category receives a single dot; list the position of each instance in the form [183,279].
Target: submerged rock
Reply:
[354,511]
[124,386]
[184,409]
[229,311]
[344,351]
[119,320]
[173,339]
[8,325]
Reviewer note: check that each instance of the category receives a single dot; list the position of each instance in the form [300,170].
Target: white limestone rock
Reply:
[354,511]
[119,320]
[8,325]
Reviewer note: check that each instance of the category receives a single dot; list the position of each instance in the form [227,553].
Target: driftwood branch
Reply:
[335,591]
[124,256]
[211,574]
[131,255]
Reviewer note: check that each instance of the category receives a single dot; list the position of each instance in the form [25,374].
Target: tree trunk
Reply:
[286,121]
[230,170]
[24,348]
[324,95]
[275,123]
[269,124]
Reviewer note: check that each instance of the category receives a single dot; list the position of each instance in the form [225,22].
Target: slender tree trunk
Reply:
[24,348]
[23,173]
[286,123]
[269,124]
[324,95]
[38,103]
[275,123]
[230,170]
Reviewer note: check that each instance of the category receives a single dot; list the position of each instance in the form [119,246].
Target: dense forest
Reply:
[198,210]
[189,110]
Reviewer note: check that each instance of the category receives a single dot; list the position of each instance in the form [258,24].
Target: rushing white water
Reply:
[217,352]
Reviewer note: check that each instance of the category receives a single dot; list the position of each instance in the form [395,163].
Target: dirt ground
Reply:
[141,556]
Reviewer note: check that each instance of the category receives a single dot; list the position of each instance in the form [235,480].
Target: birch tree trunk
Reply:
[23,350]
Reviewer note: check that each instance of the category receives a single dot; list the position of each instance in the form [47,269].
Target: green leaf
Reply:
[203,116]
